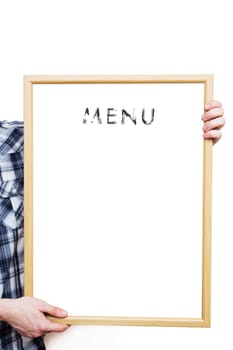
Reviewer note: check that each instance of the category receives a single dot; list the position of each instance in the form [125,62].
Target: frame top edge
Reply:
[166,78]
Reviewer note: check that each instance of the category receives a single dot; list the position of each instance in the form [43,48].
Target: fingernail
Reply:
[207,106]
[63,313]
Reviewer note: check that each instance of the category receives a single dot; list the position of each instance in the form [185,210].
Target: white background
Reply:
[132,37]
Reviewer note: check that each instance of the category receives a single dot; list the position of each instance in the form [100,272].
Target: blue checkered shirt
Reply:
[11,230]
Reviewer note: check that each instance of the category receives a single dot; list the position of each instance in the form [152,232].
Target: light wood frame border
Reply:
[207,80]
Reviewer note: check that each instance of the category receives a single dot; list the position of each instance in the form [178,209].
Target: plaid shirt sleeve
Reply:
[11,230]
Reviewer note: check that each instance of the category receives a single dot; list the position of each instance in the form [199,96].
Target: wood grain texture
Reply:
[28,189]
[207,216]
[116,79]
[132,321]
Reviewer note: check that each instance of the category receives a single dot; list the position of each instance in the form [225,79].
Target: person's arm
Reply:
[213,121]
[27,316]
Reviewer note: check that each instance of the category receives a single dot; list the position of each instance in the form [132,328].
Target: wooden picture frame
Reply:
[206,81]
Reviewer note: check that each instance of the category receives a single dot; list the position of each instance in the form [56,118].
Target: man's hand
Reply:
[27,316]
[214,121]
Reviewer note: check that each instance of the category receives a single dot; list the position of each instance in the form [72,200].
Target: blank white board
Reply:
[117,199]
